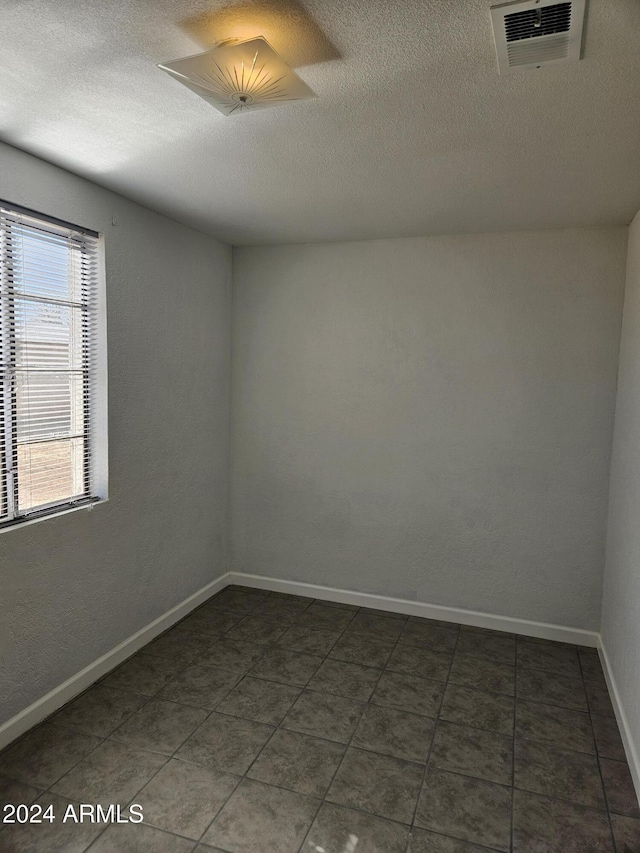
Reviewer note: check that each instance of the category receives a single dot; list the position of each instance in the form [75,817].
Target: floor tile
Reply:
[591,667]
[232,654]
[259,818]
[417,660]
[345,679]
[286,666]
[208,626]
[527,639]
[599,699]
[16,793]
[270,665]
[390,731]
[608,739]
[258,700]
[299,638]
[240,599]
[160,726]
[501,649]
[626,832]
[473,752]
[48,837]
[429,634]
[113,773]
[359,648]
[99,711]
[409,693]
[542,825]
[45,754]
[288,596]
[179,644]
[442,623]
[388,614]
[282,610]
[253,629]
[228,743]
[338,830]
[618,786]
[138,838]
[377,627]
[475,629]
[551,689]
[184,798]
[429,842]
[298,762]
[483,674]
[561,727]
[559,773]
[322,616]
[339,604]
[478,709]
[200,686]
[379,784]
[145,674]
[324,715]
[214,609]
[548,657]
[469,809]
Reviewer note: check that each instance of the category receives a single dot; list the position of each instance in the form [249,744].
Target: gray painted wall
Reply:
[73,587]
[429,418]
[621,606]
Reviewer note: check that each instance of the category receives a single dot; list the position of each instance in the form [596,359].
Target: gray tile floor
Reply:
[266,723]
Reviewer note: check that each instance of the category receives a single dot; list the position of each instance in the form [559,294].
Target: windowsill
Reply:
[47,516]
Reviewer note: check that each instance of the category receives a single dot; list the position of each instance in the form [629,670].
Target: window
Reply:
[53,367]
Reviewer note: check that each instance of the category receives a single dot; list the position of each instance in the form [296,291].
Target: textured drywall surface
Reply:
[429,418]
[73,587]
[621,604]
[413,132]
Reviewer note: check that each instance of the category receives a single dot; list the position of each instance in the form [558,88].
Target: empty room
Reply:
[320,426]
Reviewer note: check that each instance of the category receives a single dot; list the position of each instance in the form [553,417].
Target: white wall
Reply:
[73,587]
[621,605]
[429,418]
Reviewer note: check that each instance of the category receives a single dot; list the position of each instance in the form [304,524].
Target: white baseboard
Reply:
[542,630]
[623,723]
[62,694]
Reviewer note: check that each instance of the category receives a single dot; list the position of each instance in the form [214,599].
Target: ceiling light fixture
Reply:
[238,77]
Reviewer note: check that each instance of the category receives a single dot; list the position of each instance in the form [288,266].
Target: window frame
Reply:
[96,429]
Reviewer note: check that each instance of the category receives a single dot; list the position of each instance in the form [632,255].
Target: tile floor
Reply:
[266,723]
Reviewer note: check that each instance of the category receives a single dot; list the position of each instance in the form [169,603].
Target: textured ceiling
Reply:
[413,132]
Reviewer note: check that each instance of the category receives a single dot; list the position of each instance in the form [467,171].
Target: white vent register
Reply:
[532,33]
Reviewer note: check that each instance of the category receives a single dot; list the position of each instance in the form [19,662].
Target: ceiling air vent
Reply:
[532,33]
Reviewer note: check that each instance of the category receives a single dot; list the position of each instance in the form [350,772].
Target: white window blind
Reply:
[49,301]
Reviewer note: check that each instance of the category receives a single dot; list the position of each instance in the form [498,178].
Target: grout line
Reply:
[146,702]
[214,638]
[604,791]
[103,740]
[480,847]
[433,740]
[278,727]
[173,754]
[323,799]
[143,823]
[130,746]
